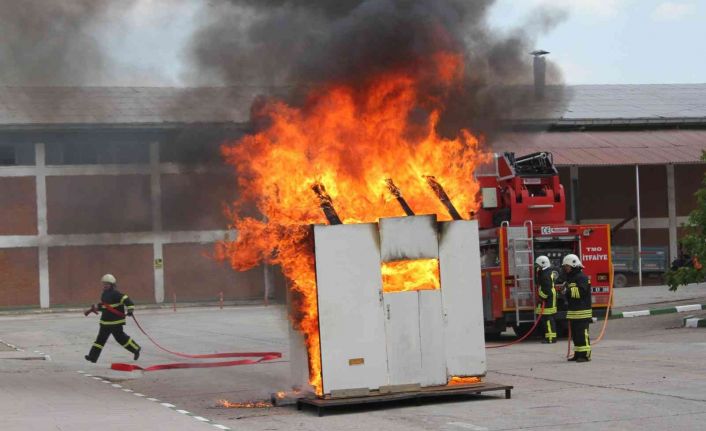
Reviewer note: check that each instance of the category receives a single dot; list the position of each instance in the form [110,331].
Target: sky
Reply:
[597,42]
[620,41]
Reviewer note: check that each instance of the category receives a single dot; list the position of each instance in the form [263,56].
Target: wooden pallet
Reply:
[321,404]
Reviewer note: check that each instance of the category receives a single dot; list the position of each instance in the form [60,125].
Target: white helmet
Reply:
[572,260]
[109,278]
[543,262]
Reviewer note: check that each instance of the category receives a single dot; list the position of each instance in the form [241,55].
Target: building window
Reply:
[7,155]
[97,153]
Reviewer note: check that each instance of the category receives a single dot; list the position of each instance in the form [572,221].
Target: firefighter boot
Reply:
[95,352]
[133,348]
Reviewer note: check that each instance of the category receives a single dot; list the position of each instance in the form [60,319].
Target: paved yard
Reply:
[647,374]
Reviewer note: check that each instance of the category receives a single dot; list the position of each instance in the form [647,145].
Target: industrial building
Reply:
[130,181]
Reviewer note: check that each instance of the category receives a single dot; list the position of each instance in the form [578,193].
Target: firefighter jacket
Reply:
[578,295]
[119,302]
[546,291]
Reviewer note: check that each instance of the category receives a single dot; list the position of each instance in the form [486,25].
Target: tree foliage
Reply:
[693,244]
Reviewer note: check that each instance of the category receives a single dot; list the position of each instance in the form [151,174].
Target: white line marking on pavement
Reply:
[172,406]
[636,313]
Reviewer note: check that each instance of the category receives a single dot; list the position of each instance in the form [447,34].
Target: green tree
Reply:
[693,243]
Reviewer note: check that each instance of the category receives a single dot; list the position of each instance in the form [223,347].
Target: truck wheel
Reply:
[620,280]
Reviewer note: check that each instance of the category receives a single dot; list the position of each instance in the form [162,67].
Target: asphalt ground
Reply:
[647,374]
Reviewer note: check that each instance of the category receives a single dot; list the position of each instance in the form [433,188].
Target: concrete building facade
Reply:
[130,181]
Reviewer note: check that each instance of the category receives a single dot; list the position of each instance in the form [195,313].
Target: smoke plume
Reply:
[51,42]
[279,43]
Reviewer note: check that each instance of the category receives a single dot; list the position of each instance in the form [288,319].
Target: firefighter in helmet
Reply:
[114,306]
[580,313]
[545,278]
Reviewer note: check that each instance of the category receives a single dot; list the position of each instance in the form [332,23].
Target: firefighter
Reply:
[579,314]
[545,278]
[113,307]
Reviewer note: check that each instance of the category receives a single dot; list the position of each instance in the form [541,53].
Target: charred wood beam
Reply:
[395,191]
[326,203]
[443,197]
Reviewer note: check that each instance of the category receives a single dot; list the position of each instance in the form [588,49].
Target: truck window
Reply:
[489,257]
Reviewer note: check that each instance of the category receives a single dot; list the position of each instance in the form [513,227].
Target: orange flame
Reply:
[456,380]
[349,137]
[406,275]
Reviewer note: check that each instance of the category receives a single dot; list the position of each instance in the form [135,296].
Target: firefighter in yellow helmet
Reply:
[580,312]
[545,277]
[114,306]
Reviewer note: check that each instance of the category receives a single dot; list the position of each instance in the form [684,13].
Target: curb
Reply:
[656,311]
[694,322]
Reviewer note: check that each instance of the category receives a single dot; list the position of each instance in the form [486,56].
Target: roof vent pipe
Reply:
[540,72]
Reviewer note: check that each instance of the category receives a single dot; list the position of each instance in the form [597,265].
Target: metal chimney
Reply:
[540,68]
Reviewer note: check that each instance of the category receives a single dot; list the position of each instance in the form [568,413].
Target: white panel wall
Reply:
[404,359]
[351,316]
[461,292]
[403,238]
[431,325]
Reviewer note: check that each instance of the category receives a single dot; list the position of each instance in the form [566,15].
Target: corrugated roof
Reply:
[603,104]
[124,105]
[620,104]
[609,148]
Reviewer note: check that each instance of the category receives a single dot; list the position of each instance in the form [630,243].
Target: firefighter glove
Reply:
[575,292]
[129,313]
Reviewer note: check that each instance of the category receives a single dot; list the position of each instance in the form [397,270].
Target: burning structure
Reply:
[416,326]
[388,119]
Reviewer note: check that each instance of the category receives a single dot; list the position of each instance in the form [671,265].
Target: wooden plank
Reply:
[423,394]
[351,319]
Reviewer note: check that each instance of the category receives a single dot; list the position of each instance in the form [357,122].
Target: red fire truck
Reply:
[522,215]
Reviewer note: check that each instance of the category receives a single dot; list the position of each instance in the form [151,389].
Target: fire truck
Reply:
[522,215]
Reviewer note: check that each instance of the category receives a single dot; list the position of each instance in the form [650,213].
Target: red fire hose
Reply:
[534,326]
[262,356]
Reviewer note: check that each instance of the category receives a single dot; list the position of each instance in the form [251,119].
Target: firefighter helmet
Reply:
[108,278]
[572,260]
[543,262]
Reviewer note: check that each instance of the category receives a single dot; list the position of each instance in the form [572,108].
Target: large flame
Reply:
[349,137]
[409,275]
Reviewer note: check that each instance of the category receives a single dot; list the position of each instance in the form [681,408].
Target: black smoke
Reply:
[54,42]
[280,43]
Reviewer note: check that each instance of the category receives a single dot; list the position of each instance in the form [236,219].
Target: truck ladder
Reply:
[521,260]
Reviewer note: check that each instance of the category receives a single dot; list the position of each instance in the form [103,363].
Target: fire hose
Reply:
[534,326]
[262,356]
